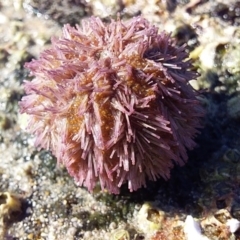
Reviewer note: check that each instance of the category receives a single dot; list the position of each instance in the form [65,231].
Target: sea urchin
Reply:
[113,103]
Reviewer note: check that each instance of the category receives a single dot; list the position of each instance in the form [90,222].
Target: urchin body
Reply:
[113,103]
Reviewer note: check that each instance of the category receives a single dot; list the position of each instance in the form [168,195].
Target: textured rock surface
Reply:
[206,188]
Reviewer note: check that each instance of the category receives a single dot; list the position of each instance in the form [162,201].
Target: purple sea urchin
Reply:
[113,103]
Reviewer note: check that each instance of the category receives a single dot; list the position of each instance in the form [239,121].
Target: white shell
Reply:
[192,229]
[233,225]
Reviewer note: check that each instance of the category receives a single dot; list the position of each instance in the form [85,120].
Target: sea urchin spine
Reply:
[113,103]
